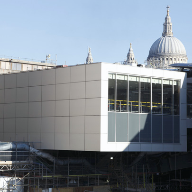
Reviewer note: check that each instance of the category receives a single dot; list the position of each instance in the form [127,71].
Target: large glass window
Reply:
[121,101]
[145,103]
[167,97]
[189,100]
[111,92]
[142,95]
[156,96]
[134,94]
[176,97]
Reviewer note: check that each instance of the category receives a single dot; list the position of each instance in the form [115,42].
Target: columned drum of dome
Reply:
[167,49]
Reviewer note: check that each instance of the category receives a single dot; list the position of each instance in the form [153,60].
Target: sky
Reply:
[65,29]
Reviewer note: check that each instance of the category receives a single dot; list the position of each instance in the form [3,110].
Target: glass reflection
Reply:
[145,103]
[121,102]
[134,94]
[156,96]
[189,100]
[111,92]
[167,97]
[176,97]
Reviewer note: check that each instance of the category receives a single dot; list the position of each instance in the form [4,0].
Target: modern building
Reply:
[95,107]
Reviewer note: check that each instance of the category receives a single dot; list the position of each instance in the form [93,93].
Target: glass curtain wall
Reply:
[145,103]
[189,100]
[156,96]
[121,101]
[134,94]
[111,92]
[148,100]
[167,97]
[167,111]
[156,110]
[145,109]
[176,85]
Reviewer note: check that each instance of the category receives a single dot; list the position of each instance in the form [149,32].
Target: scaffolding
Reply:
[33,170]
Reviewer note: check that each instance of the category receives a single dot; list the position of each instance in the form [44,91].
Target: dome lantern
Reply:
[167,26]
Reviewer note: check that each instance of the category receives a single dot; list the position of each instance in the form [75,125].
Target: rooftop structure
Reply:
[131,57]
[9,65]
[89,57]
[167,49]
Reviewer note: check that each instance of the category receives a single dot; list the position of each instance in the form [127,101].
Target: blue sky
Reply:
[34,28]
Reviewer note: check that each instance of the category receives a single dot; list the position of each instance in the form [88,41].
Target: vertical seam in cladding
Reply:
[162,108]
[4,110]
[41,110]
[173,137]
[28,108]
[128,108]
[55,111]
[115,101]
[85,107]
[151,110]
[139,100]
[69,103]
[15,106]
[180,110]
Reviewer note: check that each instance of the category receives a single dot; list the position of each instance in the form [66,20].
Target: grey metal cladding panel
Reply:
[133,127]
[145,127]
[156,128]
[121,127]
[167,129]
[176,129]
[111,127]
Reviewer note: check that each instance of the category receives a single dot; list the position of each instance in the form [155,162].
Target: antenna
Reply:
[48,57]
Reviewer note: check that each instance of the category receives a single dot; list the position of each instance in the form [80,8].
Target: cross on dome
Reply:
[167,10]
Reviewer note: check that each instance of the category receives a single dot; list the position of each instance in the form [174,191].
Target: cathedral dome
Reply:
[167,46]
[167,49]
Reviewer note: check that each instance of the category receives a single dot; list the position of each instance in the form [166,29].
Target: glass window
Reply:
[145,103]
[176,85]
[14,66]
[156,96]
[121,101]
[189,100]
[19,67]
[3,65]
[167,97]
[134,94]
[111,92]
[29,67]
[24,67]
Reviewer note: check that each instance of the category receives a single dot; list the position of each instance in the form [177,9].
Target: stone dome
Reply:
[167,46]
[167,49]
